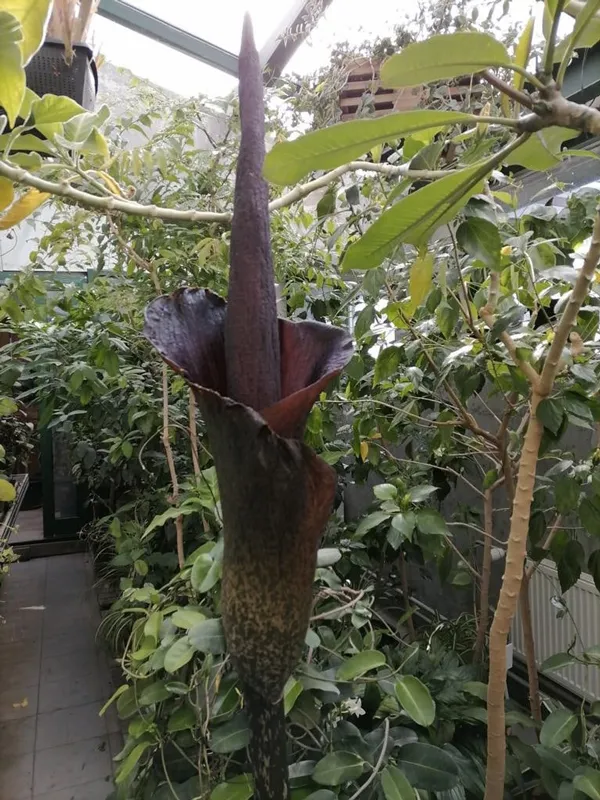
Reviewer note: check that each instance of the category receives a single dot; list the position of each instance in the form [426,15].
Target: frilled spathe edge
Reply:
[188,330]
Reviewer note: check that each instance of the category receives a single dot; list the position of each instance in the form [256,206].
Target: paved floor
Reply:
[53,682]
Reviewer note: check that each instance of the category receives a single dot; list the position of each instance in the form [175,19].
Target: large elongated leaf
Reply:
[522,52]
[557,727]
[542,150]
[395,785]
[33,16]
[331,147]
[416,700]
[588,783]
[414,218]
[22,208]
[428,767]
[238,788]
[337,768]
[231,736]
[444,56]
[359,664]
[12,74]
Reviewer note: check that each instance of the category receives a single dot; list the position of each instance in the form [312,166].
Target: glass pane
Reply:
[158,63]
[65,490]
[220,23]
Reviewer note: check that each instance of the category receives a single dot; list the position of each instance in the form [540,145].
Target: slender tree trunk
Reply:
[486,574]
[517,541]
[535,702]
[406,595]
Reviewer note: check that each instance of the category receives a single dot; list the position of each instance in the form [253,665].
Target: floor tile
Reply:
[71,765]
[18,703]
[16,776]
[73,691]
[70,725]
[17,738]
[18,653]
[98,790]
[27,674]
[68,643]
[69,665]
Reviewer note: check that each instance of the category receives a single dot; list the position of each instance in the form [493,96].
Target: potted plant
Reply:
[65,64]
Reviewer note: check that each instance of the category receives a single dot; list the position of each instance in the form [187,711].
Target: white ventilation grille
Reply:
[554,631]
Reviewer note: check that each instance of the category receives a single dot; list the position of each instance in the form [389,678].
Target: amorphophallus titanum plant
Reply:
[256,378]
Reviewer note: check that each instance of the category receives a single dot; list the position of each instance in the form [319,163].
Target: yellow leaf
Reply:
[33,15]
[7,491]
[522,51]
[483,126]
[419,284]
[111,183]
[7,193]
[364,450]
[24,207]
[23,704]
[12,74]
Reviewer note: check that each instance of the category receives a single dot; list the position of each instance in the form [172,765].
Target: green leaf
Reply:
[231,736]
[594,567]
[557,727]
[186,618]
[291,692]
[7,406]
[589,514]
[443,56]
[208,636]
[7,491]
[338,768]
[154,693]
[480,238]
[418,494]
[550,412]
[178,655]
[522,51]
[416,700]
[428,767]
[404,523]
[289,162]
[387,363]
[583,20]
[570,564]
[395,785]
[588,783]
[130,762]
[32,16]
[12,74]
[182,719]
[322,794]
[51,109]
[78,129]
[420,281]
[541,151]
[557,661]
[239,788]
[328,556]
[371,521]
[446,317]
[414,218]
[200,570]
[431,522]
[359,664]
[385,491]
[566,494]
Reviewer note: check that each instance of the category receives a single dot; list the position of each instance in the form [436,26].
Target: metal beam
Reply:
[582,78]
[148,25]
[284,42]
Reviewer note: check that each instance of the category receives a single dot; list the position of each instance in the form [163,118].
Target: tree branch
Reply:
[515,94]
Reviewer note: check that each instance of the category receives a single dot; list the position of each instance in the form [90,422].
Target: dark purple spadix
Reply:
[251,331]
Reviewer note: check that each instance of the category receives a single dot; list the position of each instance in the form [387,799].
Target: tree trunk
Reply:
[535,702]
[486,573]
[268,746]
